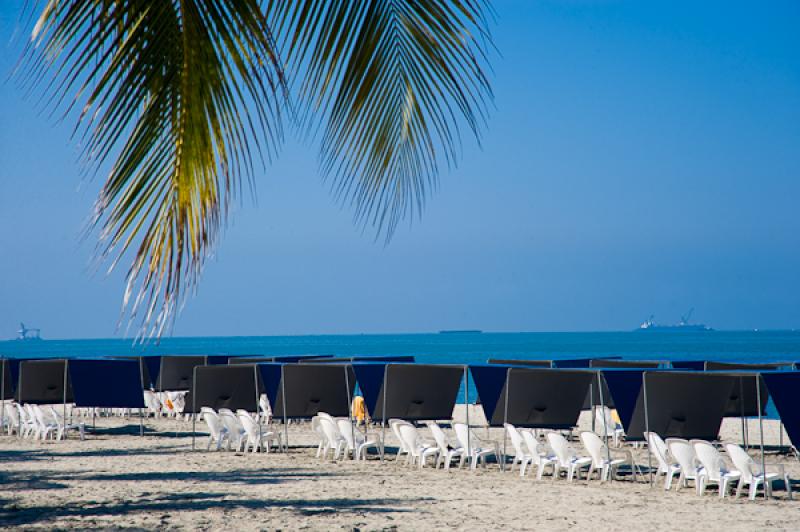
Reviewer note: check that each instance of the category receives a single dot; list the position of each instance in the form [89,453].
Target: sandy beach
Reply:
[117,479]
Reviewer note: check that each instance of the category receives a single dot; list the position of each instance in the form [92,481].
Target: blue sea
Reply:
[457,348]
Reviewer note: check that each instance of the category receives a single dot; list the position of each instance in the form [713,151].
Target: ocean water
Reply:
[459,348]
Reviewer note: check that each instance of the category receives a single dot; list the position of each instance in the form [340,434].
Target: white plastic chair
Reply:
[46,426]
[418,450]
[152,403]
[403,448]
[266,410]
[604,423]
[14,423]
[236,433]
[599,454]
[666,466]
[27,422]
[566,459]
[477,448]
[714,469]
[63,426]
[317,428]
[753,476]
[217,430]
[356,442]
[521,456]
[684,453]
[334,441]
[256,436]
[539,459]
[446,451]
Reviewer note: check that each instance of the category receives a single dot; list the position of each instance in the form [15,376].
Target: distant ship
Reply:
[28,334]
[461,331]
[682,326]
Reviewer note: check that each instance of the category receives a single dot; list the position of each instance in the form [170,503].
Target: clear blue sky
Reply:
[643,158]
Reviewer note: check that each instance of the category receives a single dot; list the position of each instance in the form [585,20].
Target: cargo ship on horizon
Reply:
[683,326]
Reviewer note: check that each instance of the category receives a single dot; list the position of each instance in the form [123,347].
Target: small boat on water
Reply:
[26,334]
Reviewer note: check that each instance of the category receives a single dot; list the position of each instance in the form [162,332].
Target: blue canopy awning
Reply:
[106,383]
[784,388]
[694,365]
[625,386]
[271,380]
[369,376]
[489,382]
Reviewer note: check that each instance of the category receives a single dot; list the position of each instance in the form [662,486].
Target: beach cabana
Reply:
[301,391]
[106,383]
[177,372]
[43,382]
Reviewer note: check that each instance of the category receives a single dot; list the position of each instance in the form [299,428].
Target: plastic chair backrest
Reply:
[533,446]
[212,420]
[684,454]
[462,435]
[659,450]
[560,447]
[231,422]
[710,459]
[516,439]
[410,436]
[330,430]
[438,436]
[743,462]
[594,446]
[347,431]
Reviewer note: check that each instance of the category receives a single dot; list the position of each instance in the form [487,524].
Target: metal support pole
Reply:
[258,400]
[350,410]
[761,436]
[141,422]
[194,403]
[383,413]
[3,393]
[64,420]
[647,428]
[742,412]
[605,423]
[466,409]
[505,419]
[591,403]
[283,400]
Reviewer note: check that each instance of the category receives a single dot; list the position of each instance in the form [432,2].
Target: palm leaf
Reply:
[181,95]
[390,82]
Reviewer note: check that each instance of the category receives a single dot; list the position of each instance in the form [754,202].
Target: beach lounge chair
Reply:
[713,469]
[599,454]
[753,476]
[402,449]
[539,458]
[566,458]
[605,423]
[236,433]
[477,448]
[27,423]
[521,455]
[257,436]
[265,413]
[684,454]
[334,441]
[447,452]
[418,449]
[317,428]
[45,425]
[13,423]
[217,430]
[357,443]
[666,466]
[152,403]
[62,426]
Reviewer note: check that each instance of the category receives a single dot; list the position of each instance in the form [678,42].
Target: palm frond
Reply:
[179,96]
[390,82]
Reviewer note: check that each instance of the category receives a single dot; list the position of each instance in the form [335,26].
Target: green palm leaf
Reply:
[177,98]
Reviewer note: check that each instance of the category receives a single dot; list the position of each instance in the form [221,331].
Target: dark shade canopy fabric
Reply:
[217,360]
[144,369]
[308,389]
[489,382]
[177,372]
[7,384]
[682,405]
[713,365]
[572,363]
[153,365]
[250,360]
[370,380]
[361,358]
[620,363]
[42,382]
[221,386]
[518,362]
[784,388]
[417,392]
[624,386]
[743,401]
[694,365]
[543,398]
[292,359]
[106,383]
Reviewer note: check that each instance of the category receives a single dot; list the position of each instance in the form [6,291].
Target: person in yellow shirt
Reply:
[359,410]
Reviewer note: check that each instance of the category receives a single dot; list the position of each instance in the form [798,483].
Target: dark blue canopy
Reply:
[106,383]
[694,365]
[271,380]
[370,379]
[489,382]
[153,364]
[217,360]
[625,386]
[784,387]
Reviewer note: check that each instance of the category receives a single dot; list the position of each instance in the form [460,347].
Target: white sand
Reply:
[118,480]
